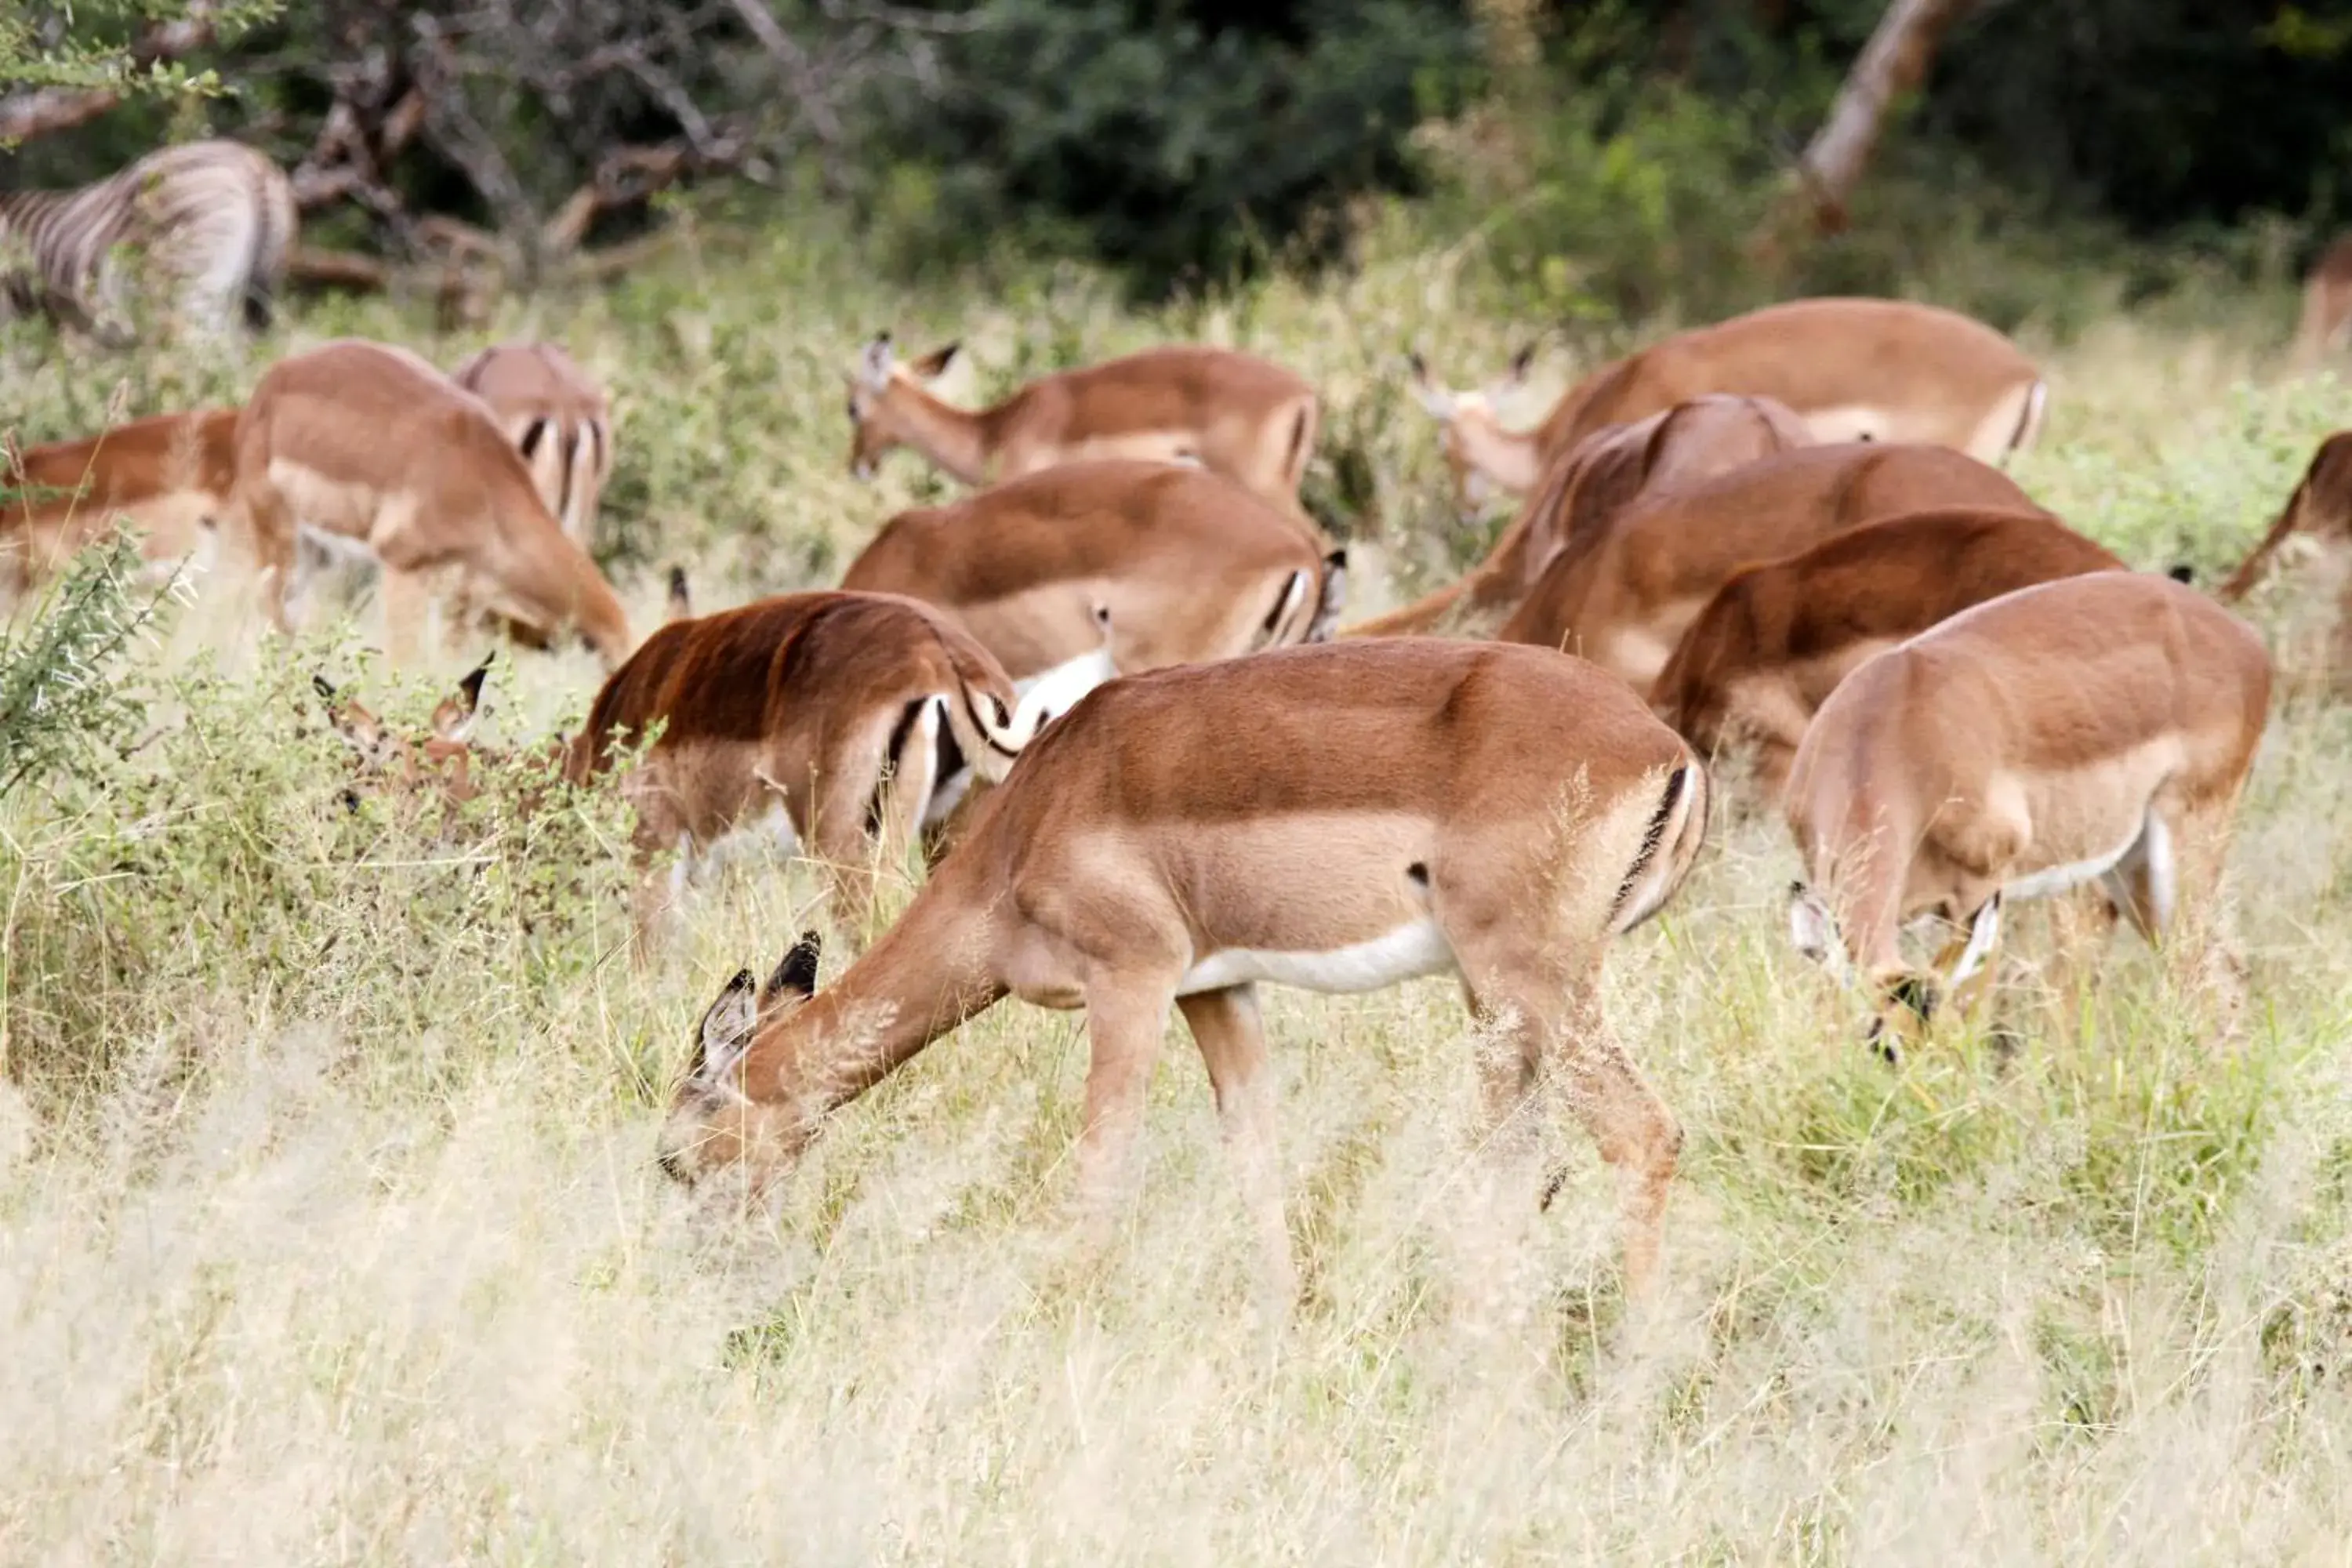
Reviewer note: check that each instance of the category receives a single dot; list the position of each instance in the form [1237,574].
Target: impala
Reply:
[1623,596]
[842,722]
[556,415]
[168,476]
[1605,474]
[369,443]
[1184,566]
[1777,638]
[1872,369]
[443,758]
[1231,412]
[1340,817]
[2097,727]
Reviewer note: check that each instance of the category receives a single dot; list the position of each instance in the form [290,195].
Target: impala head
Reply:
[880,390]
[444,754]
[1904,1001]
[1463,419]
[712,1122]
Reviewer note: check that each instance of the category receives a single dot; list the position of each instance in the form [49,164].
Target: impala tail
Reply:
[1670,844]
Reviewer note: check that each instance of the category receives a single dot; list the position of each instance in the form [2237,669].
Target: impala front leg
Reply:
[1125,1022]
[1226,1027]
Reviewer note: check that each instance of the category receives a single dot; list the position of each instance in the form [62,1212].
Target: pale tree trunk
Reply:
[1893,63]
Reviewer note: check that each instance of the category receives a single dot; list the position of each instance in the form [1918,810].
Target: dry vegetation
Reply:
[329,1229]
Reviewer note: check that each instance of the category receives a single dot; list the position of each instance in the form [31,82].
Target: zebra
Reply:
[206,225]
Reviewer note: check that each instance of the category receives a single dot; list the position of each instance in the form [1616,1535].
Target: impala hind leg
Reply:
[1556,1038]
[1226,1027]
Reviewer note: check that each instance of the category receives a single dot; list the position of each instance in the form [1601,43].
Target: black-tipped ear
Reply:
[681,601]
[470,689]
[1522,361]
[2183,574]
[935,363]
[798,970]
[1419,365]
[727,1027]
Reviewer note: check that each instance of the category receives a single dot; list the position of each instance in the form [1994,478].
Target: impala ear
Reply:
[1813,929]
[934,365]
[878,361]
[1521,362]
[726,1031]
[797,971]
[681,601]
[1333,601]
[454,717]
[1433,397]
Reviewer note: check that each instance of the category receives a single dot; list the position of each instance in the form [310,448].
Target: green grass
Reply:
[329,1229]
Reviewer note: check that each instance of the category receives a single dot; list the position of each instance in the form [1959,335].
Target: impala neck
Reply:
[1512,459]
[957,440]
[926,976]
[2250,571]
[1491,585]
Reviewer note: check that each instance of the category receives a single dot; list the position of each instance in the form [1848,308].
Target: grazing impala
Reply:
[169,476]
[370,443]
[1184,565]
[1233,413]
[1605,475]
[443,758]
[2097,727]
[1338,817]
[1623,596]
[556,415]
[1868,370]
[835,721]
[1778,637]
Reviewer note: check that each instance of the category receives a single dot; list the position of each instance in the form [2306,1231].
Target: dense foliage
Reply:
[1189,140]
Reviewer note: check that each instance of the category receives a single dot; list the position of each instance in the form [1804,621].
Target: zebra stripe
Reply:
[202,229]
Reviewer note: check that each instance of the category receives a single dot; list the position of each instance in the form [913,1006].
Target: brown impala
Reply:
[1854,369]
[1231,412]
[2097,728]
[1340,817]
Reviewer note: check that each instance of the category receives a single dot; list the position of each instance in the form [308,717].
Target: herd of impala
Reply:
[1107,692]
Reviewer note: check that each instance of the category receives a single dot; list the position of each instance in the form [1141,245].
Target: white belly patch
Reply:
[1849,422]
[1408,952]
[2058,879]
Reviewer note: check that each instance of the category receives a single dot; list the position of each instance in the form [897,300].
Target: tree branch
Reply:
[38,111]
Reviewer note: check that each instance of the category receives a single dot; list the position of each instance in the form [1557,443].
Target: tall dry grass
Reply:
[329,1229]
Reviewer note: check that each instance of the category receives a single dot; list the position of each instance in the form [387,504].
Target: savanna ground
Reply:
[329,1228]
